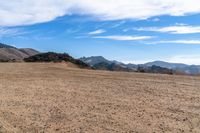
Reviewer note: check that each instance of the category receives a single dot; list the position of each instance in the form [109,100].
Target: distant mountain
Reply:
[166,64]
[155,69]
[187,69]
[111,67]
[10,53]
[93,60]
[100,63]
[56,57]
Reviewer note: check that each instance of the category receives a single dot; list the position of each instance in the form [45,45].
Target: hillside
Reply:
[10,53]
[5,46]
[56,57]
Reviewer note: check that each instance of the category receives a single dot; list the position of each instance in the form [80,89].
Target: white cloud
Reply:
[8,32]
[96,32]
[177,29]
[24,12]
[186,59]
[178,42]
[124,38]
[155,19]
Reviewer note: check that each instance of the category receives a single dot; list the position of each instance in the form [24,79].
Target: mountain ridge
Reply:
[10,53]
[150,66]
[188,69]
[2,45]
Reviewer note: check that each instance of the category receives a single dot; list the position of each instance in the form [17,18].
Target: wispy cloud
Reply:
[155,20]
[177,29]
[10,32]
[15,13]
[177,42]
[124,38]
[118,24]
[96,32]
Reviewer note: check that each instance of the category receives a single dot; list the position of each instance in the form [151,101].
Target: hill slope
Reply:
[5,46]
[10,53]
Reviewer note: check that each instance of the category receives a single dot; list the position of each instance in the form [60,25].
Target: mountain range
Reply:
[178,67]
[100,62]
[12,54]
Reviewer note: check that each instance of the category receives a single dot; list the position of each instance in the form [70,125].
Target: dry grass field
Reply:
[48,98]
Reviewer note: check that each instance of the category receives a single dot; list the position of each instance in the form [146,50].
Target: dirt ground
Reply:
[48,98]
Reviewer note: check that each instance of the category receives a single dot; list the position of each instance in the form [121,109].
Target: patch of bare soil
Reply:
[39,97]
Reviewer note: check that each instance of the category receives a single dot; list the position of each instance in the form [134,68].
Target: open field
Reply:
[36,98]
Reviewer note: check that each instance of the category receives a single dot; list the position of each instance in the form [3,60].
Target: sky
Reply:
[130,31]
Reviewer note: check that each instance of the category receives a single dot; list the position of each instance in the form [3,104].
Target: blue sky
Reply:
[172,35]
